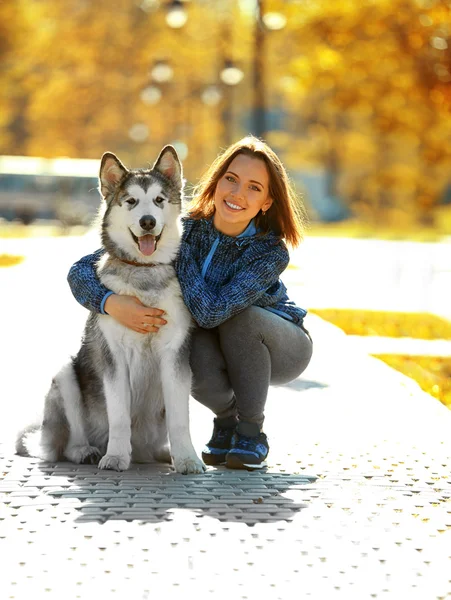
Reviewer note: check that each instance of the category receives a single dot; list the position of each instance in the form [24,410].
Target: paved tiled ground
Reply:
[355,503]
[71,531]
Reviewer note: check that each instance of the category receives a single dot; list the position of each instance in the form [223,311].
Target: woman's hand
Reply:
[129,311]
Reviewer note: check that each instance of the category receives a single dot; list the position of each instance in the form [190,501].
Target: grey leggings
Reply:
[234,364]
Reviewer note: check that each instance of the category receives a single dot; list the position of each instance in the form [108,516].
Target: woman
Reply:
[249,334]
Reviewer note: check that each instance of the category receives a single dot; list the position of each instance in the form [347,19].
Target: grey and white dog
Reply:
[124,392]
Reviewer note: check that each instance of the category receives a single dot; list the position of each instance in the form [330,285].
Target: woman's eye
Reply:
[255,188]
[131,201]
[230,178]
[159,200]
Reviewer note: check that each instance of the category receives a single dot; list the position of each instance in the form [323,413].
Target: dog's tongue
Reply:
[147,244]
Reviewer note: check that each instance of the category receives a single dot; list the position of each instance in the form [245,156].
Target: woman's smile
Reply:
[232,206]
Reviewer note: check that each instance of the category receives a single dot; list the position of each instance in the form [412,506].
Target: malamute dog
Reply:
[124,392]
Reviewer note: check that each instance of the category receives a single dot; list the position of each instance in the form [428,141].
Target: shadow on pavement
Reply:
[303,384]
[152,493]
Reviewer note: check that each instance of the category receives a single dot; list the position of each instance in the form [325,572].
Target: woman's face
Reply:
[240,194]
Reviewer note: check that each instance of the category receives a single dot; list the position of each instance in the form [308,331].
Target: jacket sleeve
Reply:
[256,280]
[85,285]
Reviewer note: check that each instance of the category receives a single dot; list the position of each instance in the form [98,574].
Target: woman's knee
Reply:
[306,352]
[293,361]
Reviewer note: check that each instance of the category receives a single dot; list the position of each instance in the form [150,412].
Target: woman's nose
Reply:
[238,192]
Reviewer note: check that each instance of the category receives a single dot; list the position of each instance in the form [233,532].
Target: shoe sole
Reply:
[213,461]
[254,467]
[234,462]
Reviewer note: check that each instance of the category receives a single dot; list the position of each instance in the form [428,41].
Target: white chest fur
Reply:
[156,287]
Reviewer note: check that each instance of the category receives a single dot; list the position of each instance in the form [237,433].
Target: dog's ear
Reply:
[169,165]
[111,172]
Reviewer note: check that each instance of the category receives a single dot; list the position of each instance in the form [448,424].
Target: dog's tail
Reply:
[39,442]
[47,437]
[28,440]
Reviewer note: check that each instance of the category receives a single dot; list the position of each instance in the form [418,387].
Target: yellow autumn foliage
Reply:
[360,88]
[10,260]
[432,373]
[423,326]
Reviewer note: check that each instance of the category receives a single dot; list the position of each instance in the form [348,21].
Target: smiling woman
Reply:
[249,333]
[285,216]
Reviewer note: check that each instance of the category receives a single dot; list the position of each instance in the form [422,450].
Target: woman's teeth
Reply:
[233,206]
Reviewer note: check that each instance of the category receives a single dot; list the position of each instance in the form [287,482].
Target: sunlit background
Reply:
[354,95]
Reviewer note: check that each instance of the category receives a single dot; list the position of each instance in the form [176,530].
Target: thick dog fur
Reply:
[126,393]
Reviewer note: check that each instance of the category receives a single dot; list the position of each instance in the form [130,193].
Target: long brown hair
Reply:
[286,216]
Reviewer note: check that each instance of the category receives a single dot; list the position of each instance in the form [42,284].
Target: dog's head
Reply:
[142,208]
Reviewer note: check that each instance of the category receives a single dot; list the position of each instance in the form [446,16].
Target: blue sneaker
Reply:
[247,451]
[215,452]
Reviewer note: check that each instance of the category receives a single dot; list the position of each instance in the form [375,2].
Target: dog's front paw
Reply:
[115,463]
[86,455]
[188,464]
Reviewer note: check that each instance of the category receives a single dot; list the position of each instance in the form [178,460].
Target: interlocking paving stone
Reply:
[336,536]
[355,504]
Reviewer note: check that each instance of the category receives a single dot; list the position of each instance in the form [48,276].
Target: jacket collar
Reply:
[251,232]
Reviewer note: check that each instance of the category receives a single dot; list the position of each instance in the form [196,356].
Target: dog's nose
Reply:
[147,222]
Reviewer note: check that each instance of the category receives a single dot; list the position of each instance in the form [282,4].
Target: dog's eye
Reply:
[131,201]
[159,200]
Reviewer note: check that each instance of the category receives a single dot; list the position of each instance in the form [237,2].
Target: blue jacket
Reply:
[219,275]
